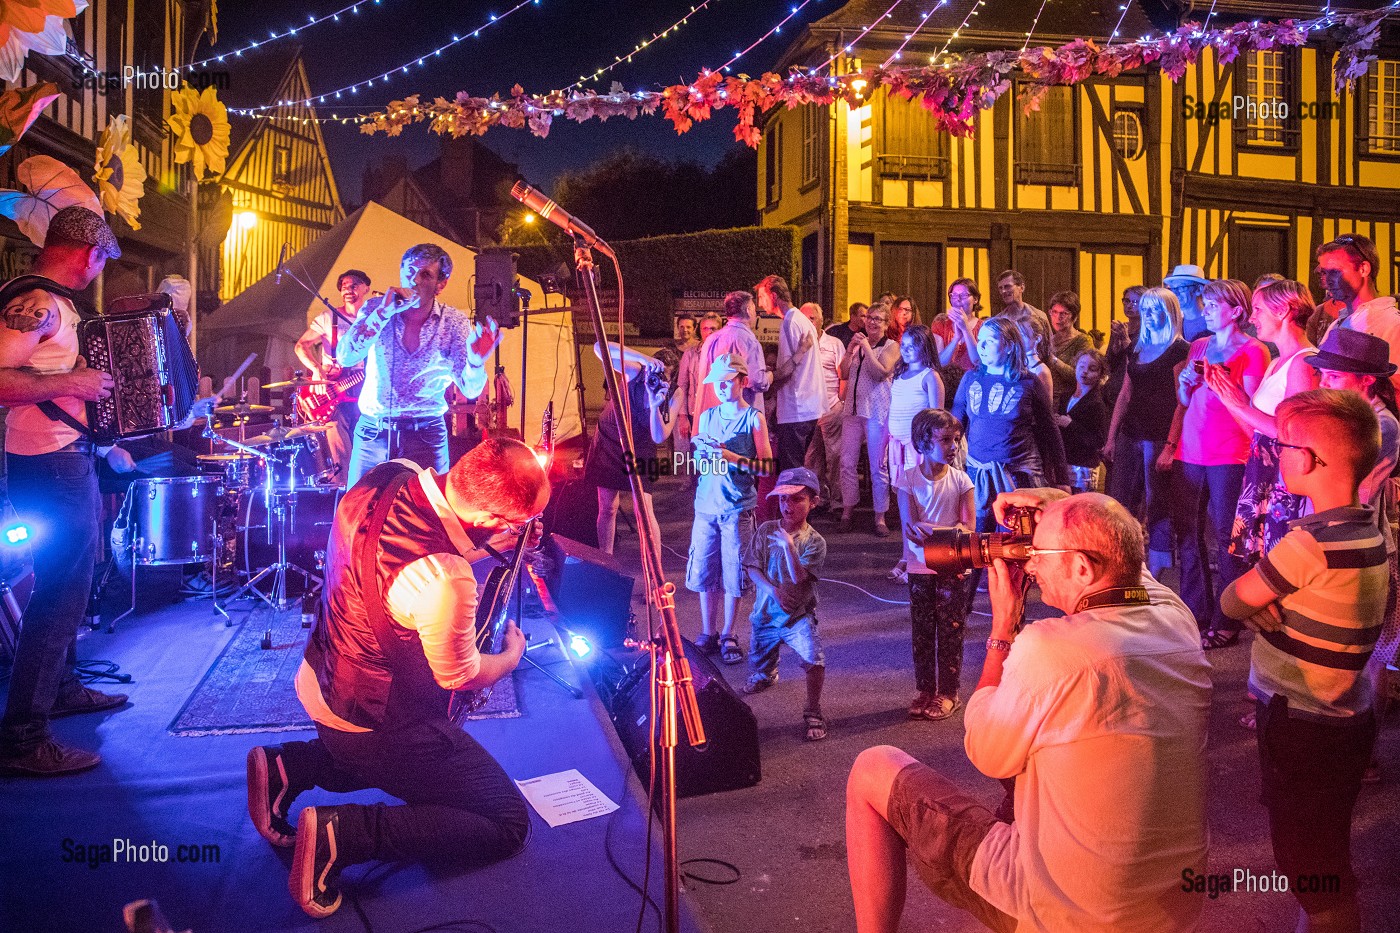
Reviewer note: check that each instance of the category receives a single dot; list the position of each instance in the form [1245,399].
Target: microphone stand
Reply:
[671,681]
[286,270]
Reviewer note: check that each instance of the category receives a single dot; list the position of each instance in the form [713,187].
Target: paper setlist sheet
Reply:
[566,797]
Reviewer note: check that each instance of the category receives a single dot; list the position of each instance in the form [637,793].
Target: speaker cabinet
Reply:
[590,589]
[730,758]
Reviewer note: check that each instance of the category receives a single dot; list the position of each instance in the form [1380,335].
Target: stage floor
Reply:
[155,787]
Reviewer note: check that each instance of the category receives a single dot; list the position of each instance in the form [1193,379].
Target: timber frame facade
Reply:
[1110,184]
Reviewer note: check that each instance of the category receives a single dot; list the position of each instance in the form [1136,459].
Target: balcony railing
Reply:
[912,167]
[1047,173]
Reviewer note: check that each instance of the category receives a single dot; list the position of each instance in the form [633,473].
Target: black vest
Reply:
[360,681]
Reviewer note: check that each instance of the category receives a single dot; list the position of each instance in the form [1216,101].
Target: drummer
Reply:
[324,334]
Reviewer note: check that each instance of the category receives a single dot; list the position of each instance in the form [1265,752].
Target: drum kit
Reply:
[262,510]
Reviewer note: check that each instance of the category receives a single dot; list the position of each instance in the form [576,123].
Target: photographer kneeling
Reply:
[1100,715]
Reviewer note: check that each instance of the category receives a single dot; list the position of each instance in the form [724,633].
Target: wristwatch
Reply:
[998,644]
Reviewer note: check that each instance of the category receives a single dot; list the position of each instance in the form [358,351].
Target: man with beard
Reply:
[1347,267]
[316,350]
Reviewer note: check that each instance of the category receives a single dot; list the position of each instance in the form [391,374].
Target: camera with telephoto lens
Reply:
[952,550]
[656,379]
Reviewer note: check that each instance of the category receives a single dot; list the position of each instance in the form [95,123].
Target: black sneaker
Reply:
[314,867]
[268,800]
[49,760]
[75,702]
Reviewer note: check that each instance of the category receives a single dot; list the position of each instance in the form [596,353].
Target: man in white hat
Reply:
[1186,282]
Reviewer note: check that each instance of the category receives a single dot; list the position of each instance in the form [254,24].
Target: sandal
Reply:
[759,682]
[881,529]
[815,724]
[706,643]
[940,708]
[1250,721]
[729,650]
[919,704]
[898,573]
[1213,638]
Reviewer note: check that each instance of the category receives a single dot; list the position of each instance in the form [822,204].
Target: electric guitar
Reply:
[493,608]
[315,404]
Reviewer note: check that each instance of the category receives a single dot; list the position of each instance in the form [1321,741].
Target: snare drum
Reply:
[292,465]
[171,520]
[237,470]
[309,513]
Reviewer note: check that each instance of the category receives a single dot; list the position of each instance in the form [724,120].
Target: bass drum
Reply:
[308,514]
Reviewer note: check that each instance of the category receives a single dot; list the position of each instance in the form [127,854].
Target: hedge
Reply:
[720,260]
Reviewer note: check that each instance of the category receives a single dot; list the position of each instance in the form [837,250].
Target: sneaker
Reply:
[940,708]
[314,868]
[268,800]
[81,700]
[759,682]
[49,759]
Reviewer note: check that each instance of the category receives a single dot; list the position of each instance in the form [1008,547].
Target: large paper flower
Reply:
[49,186]
[33,25]
[19,108]
[200,125]
[120,177]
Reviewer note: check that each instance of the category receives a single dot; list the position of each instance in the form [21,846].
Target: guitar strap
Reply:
[25,283]
[365,556]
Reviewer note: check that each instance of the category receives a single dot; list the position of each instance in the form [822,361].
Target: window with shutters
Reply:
[1047,140]
[281,168]
[813,121]
[911,144]
[1269,117]
[773,163]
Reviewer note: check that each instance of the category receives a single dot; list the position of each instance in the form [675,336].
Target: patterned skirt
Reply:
[1266,506]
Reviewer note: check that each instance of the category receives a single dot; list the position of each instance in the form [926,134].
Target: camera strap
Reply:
[1114,596]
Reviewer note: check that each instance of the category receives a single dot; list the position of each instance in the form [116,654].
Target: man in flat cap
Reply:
[53,485]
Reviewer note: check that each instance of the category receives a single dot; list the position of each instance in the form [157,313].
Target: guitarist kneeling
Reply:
[398,633]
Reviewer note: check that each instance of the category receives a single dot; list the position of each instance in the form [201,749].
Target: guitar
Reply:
[315,404]
[493,609]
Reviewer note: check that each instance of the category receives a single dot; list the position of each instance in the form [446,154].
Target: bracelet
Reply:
[998,644]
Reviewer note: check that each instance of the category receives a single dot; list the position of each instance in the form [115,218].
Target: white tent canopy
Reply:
[269,316]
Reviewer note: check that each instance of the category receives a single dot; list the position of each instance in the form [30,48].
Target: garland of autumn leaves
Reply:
[953,92]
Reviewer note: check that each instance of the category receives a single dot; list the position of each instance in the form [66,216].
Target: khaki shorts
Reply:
[942,828]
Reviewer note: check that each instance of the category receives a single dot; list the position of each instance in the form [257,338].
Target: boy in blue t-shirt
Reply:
[732,440]
[783,563]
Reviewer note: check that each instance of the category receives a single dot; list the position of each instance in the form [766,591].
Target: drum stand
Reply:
[280,505]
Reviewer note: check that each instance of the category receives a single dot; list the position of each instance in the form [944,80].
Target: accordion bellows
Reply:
[154,374]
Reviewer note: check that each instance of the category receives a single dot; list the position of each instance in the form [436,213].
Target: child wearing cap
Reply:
[940,496]
[732,437]
[783,563]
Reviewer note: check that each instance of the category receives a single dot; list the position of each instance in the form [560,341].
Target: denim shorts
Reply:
[800,634]
[717,547]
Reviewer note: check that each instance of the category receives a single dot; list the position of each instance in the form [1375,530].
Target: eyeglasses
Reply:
[1316,459]
[515,528]
[1037,551]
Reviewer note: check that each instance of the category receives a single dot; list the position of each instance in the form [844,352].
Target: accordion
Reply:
[142,346]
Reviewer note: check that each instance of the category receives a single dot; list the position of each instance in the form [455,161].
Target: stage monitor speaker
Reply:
[730,758]
[496,292]
[590,589]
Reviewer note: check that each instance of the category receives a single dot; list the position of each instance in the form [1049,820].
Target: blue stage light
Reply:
[17,534]
[580,646]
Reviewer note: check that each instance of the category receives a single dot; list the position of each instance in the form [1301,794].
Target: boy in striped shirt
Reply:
[1317,601]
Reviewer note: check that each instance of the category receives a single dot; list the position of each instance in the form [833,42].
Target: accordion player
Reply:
[139,342]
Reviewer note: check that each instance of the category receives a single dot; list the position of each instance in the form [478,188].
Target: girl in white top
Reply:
[916,386]
[1279,312]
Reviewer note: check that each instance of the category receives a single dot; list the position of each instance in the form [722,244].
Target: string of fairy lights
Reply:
[898,53]
[626,58]
[350,9]
[957,33]
[851,46]
[761,39]
[1034,23]
[385,77]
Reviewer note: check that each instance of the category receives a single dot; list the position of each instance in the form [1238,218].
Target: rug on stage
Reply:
[251,689]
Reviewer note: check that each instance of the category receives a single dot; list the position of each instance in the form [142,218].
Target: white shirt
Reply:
[322,326]
[936,501]
[1378,317]
[800,398]
[831,349]
[28,431]
[436,597]
[1101,716]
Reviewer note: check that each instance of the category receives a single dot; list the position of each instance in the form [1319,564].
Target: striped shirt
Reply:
[1331,576]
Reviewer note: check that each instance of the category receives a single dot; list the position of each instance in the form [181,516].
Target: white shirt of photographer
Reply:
[801,397]
[1101,717]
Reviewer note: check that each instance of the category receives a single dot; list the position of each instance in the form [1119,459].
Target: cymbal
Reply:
[297,383]
[305,430]
[223,458]
[262,440]
[243,408]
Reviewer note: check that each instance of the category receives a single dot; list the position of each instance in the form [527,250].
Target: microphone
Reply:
[535,200]
[281,263]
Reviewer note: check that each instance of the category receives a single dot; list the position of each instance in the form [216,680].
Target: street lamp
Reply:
[247,220]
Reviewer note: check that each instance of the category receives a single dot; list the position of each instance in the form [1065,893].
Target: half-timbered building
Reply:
[1110,183]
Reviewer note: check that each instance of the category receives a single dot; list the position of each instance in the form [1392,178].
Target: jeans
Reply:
[1207,493]
[459,805]
[56,496]
[793,440]
[1135,478]
[875,433]
[426,447]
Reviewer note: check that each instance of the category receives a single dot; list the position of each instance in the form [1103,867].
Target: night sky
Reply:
[541,47]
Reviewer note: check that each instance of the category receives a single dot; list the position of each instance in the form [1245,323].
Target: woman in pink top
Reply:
[1211,455]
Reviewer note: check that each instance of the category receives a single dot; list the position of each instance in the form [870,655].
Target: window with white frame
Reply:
[813,116]
[1266,84]
[1383,107]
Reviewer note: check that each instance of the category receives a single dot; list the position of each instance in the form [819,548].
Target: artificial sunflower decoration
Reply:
[200,125]
[119,175]
[33,25]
